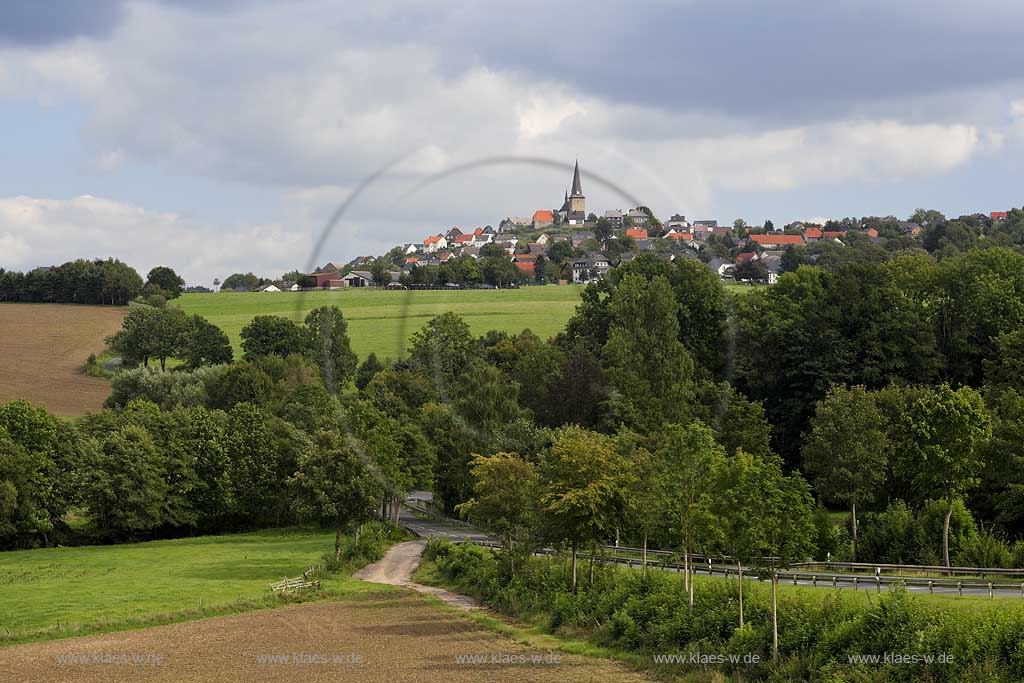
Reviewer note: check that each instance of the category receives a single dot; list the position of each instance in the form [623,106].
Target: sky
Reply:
[219,136]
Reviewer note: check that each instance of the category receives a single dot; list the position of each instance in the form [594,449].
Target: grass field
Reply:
[382,321]
[43,348]
[55,592]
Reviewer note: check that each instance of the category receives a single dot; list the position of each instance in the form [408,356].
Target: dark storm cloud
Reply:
[780,60]
[43,22]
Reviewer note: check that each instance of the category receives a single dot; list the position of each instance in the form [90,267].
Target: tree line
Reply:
[885,384]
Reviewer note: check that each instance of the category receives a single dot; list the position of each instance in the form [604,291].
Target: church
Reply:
[573,210]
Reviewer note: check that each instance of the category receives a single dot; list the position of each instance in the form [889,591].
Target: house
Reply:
[464,240]
[508,245]
[323,279]
[910,228]
[590,267]
[524,258]
[452,233]
[677,222]
[721,267]
[773,264]
[677,234]
[357,278]
[446,257]
[645,245]
[411,248]
[614,217]
[289,286]
[637,217]
[812,234]
[543,239]
[581,236]
[833,234]
[269,288]
[998,215]
[706,224]
[518,221]
[542,219]
[472,252]
[435,243]
[637,233]
[769,241]
[537,249]
[871,232]
[746,257]
[528,268]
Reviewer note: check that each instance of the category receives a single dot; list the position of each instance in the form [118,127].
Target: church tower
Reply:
[577,202]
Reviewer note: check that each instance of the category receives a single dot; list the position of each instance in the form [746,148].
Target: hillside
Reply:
[43,348]
[382,321]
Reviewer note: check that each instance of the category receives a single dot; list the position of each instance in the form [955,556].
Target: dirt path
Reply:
[396,568]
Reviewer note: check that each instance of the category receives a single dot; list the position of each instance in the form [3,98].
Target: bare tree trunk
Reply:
[593,552]
[644,555]
[739,578]
[945,532]
[691,595]
[337,543]
[853,525]
[775,617]
[574,566]
[686,567]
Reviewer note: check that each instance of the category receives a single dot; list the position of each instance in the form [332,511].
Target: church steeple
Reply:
[577,186]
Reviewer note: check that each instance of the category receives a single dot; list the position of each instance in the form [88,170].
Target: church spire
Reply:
[577,186]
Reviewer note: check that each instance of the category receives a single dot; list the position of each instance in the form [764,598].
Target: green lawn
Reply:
[56,592]
[382,321]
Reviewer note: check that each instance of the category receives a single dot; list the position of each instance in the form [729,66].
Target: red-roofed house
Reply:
[413,259]
[527,267]
[768,241]
[464,240]
[637,233]
[542,218]
[871,232]
[833,234]
[811,234]
[435,243]
[998,215]
[674,235]
[745,257]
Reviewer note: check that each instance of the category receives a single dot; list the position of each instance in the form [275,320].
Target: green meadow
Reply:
[58,592]
[382,321]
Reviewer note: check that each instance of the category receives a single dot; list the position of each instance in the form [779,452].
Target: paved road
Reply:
[431,528]
[434,528]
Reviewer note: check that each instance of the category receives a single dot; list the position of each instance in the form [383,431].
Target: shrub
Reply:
[984,549]
[818,634]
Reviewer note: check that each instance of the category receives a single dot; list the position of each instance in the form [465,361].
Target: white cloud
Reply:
[35,231]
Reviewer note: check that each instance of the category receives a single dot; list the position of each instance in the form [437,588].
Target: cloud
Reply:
[31,22]
[676,102]
[36,231]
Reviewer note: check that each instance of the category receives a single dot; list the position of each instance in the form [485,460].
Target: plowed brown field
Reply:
[43,348]
[395,637]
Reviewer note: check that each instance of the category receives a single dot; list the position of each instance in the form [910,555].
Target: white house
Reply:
[435,243]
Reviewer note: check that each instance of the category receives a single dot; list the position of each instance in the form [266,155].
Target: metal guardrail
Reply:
[873,571]
[854,581]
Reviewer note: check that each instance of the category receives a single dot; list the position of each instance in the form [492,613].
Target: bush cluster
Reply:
[818,634]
